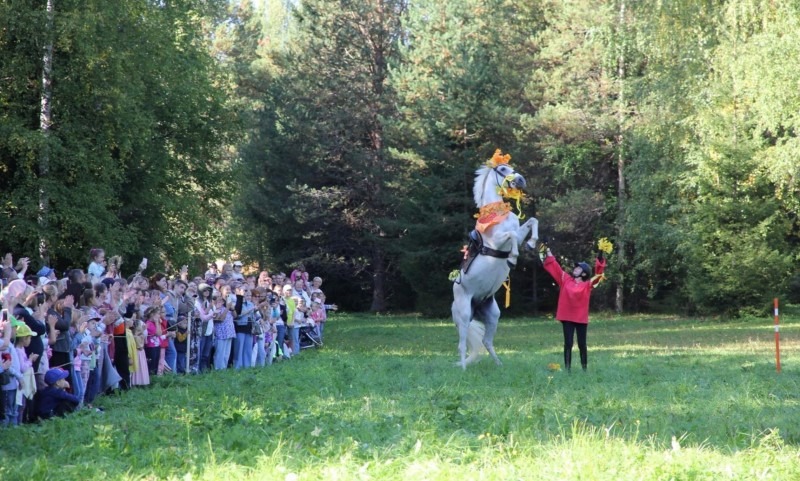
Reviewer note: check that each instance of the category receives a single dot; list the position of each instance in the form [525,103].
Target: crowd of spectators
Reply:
[66,340]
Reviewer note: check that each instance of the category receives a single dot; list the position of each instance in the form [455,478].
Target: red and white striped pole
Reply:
[777,339]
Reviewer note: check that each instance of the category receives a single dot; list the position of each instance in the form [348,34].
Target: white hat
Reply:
[237,263]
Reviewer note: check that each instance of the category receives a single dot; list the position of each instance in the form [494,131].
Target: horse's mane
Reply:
[479,185]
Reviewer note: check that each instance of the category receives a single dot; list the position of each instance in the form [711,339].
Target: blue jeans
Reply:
[295,340]
[320,328]
[180,363]
[222,353]
[204,353]
[243,351]
[10,407]
[279,338]
[261,353]
[171,356]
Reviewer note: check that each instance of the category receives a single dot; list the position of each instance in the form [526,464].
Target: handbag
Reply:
[256,328]
[5,377]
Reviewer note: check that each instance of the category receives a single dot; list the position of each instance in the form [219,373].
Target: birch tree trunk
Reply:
[620,292]
[45,122]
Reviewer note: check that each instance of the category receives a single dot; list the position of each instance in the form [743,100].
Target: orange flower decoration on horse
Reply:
[498,159]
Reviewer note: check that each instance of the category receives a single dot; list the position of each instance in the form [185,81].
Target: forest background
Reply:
[345,134]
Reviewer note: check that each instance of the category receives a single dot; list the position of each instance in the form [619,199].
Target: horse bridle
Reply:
[497,177]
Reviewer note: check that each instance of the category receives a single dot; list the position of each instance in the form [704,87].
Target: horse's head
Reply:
[489,180]
[507,173]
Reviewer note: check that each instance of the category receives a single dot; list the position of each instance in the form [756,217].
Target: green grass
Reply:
[664,398]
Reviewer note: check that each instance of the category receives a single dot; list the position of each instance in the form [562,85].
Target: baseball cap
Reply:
[54,375]
[23,330]
[45,272]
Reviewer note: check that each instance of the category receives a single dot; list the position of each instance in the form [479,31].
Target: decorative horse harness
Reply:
[488,216]
[476,247]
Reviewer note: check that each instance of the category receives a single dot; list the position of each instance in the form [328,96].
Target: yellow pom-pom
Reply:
[453,275]
[554,366]
[605,245]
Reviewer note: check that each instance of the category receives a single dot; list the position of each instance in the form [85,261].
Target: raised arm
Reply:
[554,268]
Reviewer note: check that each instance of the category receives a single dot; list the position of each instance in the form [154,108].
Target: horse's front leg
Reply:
[514,241]
[532,226]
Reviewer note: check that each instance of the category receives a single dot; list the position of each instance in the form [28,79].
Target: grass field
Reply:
[664,398]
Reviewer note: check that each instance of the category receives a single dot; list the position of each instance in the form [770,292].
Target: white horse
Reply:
[474,290]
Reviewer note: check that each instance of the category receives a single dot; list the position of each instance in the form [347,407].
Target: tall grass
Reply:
[663,399]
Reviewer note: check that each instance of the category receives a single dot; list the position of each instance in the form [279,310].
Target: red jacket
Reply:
[573,299]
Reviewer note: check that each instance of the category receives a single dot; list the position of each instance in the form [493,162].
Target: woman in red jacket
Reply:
[573,301]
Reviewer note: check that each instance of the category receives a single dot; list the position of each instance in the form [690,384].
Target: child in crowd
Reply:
[152,346]
[53,400]
[301,319]
[317,315]
[9,353]
[87,352]
[98,265]
[181,336]
[142,375]
[27,384]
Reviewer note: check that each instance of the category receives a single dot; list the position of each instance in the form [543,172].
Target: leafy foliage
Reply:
[135,159]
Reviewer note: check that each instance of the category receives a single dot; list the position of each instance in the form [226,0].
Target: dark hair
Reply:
[74,275]
[96,252]
[100,289]
[182,282]
[87,297]
[155,278]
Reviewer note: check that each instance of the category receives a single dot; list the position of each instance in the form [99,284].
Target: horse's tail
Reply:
[475,341]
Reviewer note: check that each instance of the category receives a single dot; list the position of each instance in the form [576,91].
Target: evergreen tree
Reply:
[318,161]
[460,84]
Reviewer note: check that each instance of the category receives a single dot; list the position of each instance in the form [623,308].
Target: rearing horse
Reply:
[497,253]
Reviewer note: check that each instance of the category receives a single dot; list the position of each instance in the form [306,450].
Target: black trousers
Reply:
[122,361]
[570,328]
[153,355]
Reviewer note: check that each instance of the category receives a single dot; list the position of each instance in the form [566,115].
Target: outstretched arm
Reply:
[599,268]
[553,268]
